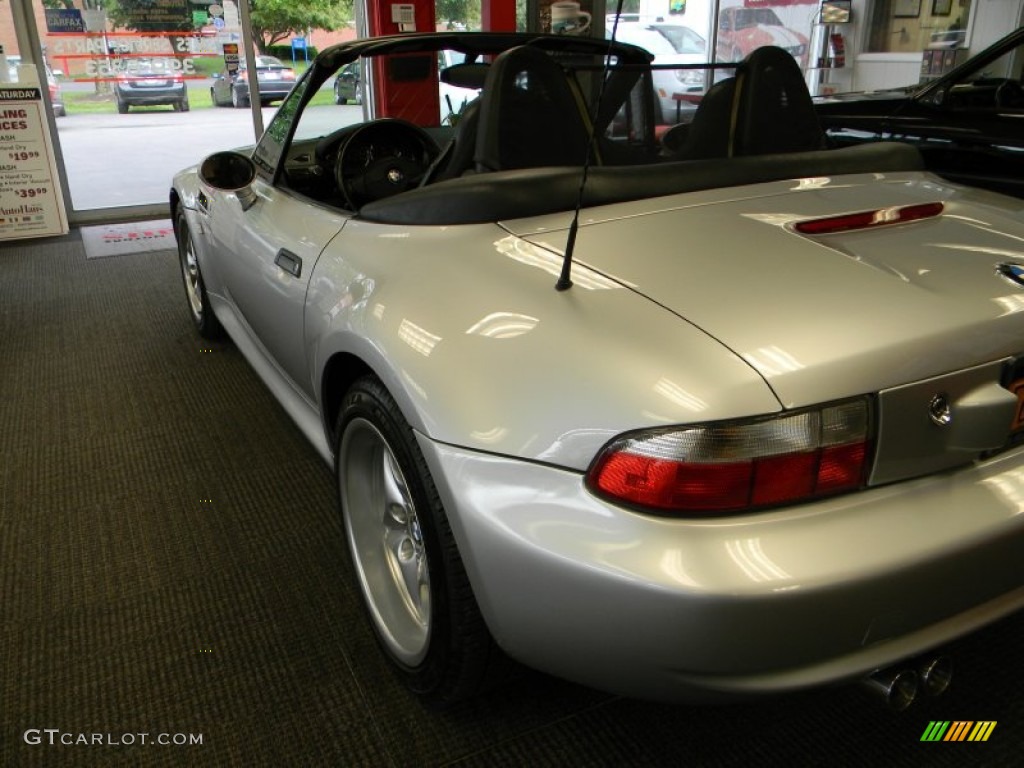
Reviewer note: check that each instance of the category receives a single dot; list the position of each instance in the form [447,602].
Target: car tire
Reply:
[206,323]
[122,107]
[338,99]
[410,575]
[238,101]
[183,105]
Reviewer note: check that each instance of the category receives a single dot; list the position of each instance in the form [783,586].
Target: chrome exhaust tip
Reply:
[897,687]
[935,674]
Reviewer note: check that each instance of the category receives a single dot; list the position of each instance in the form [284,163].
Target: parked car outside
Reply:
[147,82]
[968,124]
[672,45]
[694,429]
[347,85]
[52,84]
[741,30]
[274,80]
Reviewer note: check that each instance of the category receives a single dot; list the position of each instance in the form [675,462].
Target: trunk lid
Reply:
[828,316]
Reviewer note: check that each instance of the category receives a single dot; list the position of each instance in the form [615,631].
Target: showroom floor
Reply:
[171,562]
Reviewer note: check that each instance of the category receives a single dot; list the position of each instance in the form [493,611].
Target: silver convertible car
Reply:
[741,417]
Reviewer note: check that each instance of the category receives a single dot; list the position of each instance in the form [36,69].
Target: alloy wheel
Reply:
[386,540]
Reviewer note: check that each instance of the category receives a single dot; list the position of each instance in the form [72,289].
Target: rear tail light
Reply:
[869,219]
[738,466]
[287,74]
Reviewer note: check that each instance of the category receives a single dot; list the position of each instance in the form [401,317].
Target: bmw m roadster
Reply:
[740,417]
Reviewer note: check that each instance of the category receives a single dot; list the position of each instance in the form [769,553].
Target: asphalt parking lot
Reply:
[117,160]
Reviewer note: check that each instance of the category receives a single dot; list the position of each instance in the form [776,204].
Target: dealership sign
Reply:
[64,20]
[31,201]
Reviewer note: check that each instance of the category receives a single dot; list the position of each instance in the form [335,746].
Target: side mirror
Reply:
[230,172]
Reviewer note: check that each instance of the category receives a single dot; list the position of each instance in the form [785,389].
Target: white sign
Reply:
[31,203]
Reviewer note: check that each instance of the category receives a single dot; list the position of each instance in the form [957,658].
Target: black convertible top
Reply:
[506,195]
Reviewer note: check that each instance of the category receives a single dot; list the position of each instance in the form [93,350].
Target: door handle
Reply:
[289,262]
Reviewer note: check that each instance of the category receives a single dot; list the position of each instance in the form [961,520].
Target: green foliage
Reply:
[454,10]
[277,20]
[284,52]
[151,15]
[272,20]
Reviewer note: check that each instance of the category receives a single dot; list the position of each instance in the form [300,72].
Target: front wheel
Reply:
[205,321]
[411,577]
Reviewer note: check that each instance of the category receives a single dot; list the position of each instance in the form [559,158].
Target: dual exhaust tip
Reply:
[899,686]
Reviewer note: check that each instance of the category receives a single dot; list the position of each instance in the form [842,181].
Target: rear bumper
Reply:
[269,91]
[691,610]
[151,96]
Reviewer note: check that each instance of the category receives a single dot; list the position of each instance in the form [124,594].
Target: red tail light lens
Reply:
[738,466]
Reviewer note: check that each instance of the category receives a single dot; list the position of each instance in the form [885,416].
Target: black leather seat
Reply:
[765,109]
[531,114]
[774,108]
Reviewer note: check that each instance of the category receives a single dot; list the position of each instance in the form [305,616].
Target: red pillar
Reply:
[406,84]
[498,15]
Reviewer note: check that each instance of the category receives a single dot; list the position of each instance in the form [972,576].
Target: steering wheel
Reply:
[1010,95]
[382,158]
[327,148]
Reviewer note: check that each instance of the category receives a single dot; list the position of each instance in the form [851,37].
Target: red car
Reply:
[741,30]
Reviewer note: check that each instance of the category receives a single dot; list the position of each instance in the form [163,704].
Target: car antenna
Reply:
[565,276]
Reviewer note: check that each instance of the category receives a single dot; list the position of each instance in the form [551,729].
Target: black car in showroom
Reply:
[968,124]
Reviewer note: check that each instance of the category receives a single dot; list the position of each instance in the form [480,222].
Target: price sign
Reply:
[31,203]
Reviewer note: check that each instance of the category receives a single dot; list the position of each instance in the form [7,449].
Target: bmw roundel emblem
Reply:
[1012,272]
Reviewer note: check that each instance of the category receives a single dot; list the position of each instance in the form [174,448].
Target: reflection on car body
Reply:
[578,437]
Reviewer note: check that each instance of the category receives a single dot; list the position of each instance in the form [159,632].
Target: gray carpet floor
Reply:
[171,562]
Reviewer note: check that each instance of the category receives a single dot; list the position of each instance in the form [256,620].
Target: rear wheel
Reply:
[411,577]
[205,321]
[122,108]
[238,100]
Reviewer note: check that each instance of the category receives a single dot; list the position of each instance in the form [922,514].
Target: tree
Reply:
[272,20]
[155,16]
[277,20]
[453,10]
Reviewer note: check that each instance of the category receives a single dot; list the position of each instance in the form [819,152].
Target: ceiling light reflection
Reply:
[551,262]
[1010,486]
[420,339]
[503,325]
[773,361]
[673,392]
[757,566]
